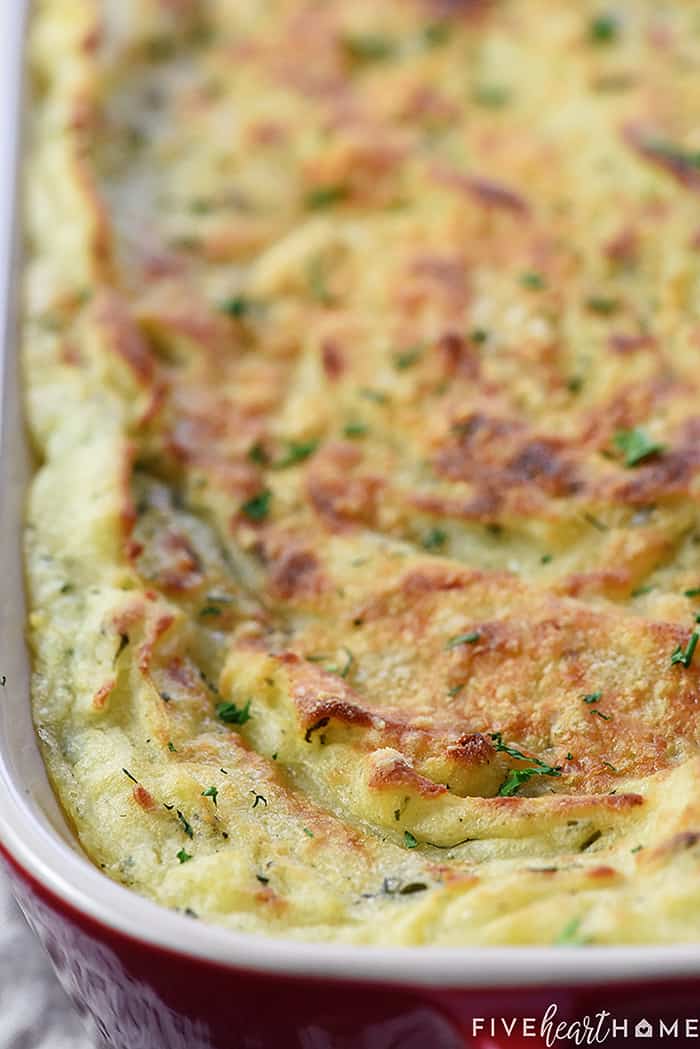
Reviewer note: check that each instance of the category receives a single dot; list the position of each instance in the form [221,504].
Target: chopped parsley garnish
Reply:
[673,154]
[237,306]
[693,592]
[479,335]
[516,777]
[637,848]
[257,508]
[569,936]
[210,610]
[186,826]
[636,445]
[211,792]
[345,669]
[685,655]
[232,714]
[171,746]
[641,590]
[569,756]
[592,697]
[595,522]
[602,305]
[434,539]
[574,384]
[545,559]
[603,29]
[369,47]
[463,639]
[258,455]
[435,34]
[455,690]
[601,715]
[355,430]
[123,642]
[378,396]
[407,358]
[297,452]
[127,773]
[411,887]
[409,841]
[533,281]
[318,287]
[183,856]
[493,96]
[308,833]
[325,196]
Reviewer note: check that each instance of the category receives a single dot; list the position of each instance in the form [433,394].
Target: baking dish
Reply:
[149,977]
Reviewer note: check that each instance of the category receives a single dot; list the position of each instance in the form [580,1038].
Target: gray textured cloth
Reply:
[34,1011]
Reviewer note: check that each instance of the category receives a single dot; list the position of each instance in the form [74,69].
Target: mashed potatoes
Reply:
[361,348]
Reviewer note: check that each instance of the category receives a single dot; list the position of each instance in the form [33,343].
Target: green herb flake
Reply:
[637,848]
[601,715]
[369,47]
[325,196]
[569,936]
[435,34]
[258,455]
[409,841]
[184,856]
[354,430]
[533,281]
[434,539]
[237,306]
[297,452]
[516,777]
[491,96]
[378,396]
[636,445]
[257,508]
[455,690]
[210,610]
[693,592]
[233,715]
[603,29]
[602,305]
[546,559]
[186,825]
[308,833]
[463,639]
[172,747]
[685,655]
[407,358]
[211,792]
[318,287]
[592,697]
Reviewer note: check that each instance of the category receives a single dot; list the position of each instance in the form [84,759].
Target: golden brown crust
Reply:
[364,549]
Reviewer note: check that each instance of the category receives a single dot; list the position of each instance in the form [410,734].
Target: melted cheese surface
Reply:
[361,348]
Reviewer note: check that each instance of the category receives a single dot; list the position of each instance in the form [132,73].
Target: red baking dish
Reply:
[148,978]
